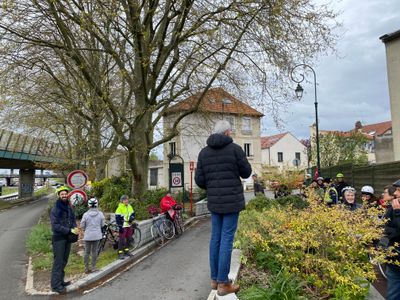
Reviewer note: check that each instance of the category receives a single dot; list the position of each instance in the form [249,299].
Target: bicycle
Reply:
[111,234]
[161,229]
[178,220]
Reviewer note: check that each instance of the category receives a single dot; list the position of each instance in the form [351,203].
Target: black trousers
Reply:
[61,250]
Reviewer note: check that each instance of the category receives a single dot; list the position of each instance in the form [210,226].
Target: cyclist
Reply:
[319,192]
[320,181]
[349,198]
[124,216]
[92,222]
[331,196]
[368,197]
[392,231]
[340,185]
[168,206]
[63,224]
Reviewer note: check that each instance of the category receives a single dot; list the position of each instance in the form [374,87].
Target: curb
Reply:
[233,275]
[137,256]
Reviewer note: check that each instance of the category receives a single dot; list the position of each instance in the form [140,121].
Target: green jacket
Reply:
[124,214]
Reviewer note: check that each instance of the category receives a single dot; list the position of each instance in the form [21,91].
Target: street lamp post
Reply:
[299,94]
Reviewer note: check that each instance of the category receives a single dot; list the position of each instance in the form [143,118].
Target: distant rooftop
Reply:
[216,100]
[269,141]
[390,36]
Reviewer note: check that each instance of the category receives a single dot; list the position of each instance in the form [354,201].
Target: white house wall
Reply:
[194,131]
[288,145]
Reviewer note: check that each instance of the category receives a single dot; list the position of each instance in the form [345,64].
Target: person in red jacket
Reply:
[167,204]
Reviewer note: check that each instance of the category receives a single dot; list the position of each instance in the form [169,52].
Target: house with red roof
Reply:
[283,150]
[194,129]
[379,135]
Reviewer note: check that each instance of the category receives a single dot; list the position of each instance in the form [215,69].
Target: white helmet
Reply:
[367,189]
[93,202]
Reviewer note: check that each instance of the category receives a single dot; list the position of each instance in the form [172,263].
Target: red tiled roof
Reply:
[377,129]
[216,100]
[269,141]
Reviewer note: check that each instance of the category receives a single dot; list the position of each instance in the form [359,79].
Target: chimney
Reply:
[358,126]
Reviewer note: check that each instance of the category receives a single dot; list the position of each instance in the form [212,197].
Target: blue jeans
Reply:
[223,228]
[393,282]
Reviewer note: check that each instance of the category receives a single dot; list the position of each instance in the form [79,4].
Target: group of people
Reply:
[65,232]
[339,192]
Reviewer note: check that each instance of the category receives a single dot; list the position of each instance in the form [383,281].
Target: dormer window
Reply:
[211,100]
[226,101]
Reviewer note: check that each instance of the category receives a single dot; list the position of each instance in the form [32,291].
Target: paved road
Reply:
[178,271]
[15,223]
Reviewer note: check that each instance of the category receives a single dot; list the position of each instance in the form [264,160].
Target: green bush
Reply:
[39,239]
[151,197]
[259,202]
[293,200]
[109,190]
[281,286]
[79,210]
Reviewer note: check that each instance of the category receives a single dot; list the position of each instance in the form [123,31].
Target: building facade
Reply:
[283,151]
[392,44]
[194,129]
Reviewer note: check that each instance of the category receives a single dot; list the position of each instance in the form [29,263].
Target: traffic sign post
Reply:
[77,179]
[191,168]
[77,197]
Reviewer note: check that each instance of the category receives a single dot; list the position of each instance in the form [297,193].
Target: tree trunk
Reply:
[139,163]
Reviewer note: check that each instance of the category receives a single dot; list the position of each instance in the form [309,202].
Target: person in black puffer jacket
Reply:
[62,224]
[220,167]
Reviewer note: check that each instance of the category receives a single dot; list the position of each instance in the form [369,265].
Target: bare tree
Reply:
[163,51]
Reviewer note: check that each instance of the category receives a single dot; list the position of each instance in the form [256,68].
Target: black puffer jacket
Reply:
[219,168]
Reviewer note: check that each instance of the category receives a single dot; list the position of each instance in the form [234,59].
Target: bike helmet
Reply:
[348,189]
[320,178]
[93,202]
[367,189]
[339,175]
[61,189]
[396,183]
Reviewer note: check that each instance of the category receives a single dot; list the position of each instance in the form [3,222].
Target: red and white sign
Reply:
[77,179]
[77,197]
[176,179]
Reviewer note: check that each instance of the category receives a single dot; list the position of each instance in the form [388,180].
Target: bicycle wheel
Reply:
[178,225]
[168,229]
[136,239]
[101,245]
[156,234]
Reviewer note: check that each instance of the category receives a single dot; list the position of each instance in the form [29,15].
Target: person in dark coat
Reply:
[258,188]
[62,224]
[220,167]
[340,185]
[392,232]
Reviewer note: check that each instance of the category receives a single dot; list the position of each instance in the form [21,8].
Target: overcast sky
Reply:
[353,86]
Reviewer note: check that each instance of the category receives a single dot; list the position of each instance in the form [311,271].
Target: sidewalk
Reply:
[178,271]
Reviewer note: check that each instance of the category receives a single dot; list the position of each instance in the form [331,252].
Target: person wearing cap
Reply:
[92,222]
[368,198]
[124,216]
[220,167]
[320,181]
[63,224]
[308,180]
[349,198]
[331,196]
[392,232]
[258,188]
[340,185]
